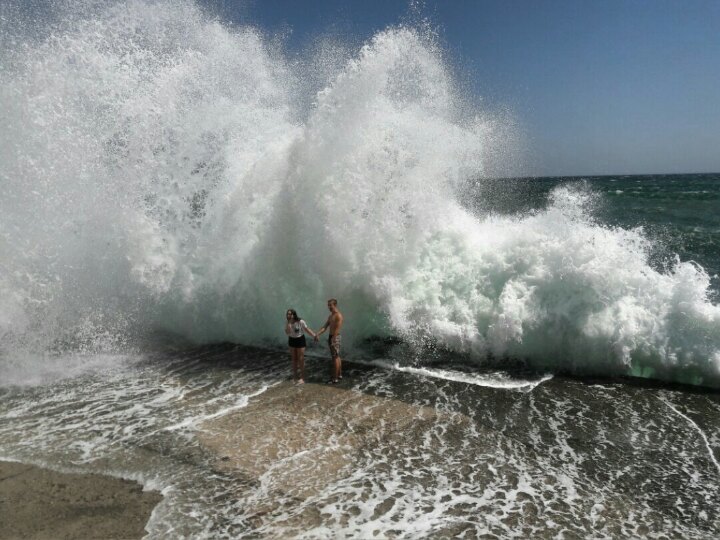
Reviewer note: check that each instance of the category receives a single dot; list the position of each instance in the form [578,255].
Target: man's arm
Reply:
[324,326]
[316,337]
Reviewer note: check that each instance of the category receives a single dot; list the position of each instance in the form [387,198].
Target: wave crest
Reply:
[182,188]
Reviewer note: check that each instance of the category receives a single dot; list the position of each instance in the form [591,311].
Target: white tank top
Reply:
[297,328]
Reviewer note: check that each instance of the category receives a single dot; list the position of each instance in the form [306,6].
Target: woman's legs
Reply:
[301,363]
[293,357]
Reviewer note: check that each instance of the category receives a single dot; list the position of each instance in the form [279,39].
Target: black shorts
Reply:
[297,342]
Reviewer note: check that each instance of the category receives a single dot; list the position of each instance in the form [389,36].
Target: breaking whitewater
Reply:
[170,182]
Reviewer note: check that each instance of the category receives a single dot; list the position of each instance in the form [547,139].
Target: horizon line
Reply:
[561,176]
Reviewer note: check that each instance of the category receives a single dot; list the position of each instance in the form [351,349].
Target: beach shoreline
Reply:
[36,502]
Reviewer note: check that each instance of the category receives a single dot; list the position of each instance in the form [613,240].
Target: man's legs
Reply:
[333,377]
[338,367]
[335,364]
[338,360]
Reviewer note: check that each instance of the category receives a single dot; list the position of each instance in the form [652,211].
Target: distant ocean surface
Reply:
[679,212]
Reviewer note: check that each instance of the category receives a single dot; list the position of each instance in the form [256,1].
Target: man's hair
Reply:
[332,301]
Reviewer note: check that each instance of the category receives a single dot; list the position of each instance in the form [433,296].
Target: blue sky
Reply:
[601,87]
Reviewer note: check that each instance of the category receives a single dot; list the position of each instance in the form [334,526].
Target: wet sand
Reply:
[39,503]
[297,440]
[385,454]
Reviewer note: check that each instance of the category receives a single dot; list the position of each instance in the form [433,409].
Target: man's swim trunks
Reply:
[334,344]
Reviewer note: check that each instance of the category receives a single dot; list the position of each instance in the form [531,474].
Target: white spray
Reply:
[157,173]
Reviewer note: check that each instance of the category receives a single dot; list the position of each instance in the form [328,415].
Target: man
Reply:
[334,323]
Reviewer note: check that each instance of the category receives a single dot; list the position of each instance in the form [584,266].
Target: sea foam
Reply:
[163,170]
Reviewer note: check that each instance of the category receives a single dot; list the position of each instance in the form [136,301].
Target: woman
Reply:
[295,328]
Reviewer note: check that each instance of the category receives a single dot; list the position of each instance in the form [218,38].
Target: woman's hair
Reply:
[294,314]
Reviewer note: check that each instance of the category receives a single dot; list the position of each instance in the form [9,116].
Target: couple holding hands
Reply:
[296,328]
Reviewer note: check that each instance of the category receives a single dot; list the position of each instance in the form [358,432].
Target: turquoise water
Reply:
[680,213]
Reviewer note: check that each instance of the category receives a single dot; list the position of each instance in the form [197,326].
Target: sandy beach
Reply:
[40,503]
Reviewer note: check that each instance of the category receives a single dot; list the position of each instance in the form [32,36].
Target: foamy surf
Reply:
[498,379]
[239,453]
[186,187]
[192,422]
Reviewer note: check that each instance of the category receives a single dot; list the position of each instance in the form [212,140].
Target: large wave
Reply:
[161,170]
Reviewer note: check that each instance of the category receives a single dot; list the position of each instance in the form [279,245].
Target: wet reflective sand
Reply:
[237,450]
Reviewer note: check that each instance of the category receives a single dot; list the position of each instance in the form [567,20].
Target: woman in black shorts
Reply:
[295,328]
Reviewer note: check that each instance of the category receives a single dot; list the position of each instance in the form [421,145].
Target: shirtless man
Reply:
[334,323]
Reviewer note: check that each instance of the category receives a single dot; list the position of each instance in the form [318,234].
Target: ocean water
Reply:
[238,452]
[679,213]
[170,183]
[165,172]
